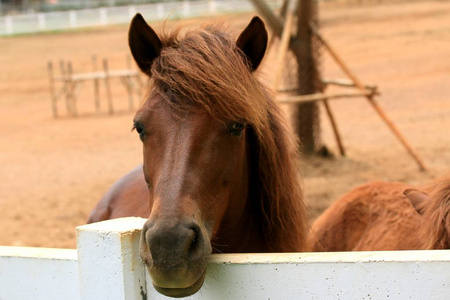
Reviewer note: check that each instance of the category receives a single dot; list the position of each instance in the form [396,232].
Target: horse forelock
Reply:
[205,69]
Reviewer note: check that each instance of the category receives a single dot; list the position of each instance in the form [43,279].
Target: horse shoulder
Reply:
[127,197]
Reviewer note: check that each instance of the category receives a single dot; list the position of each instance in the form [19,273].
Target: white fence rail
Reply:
[107,265]
[38,273]
[40,22]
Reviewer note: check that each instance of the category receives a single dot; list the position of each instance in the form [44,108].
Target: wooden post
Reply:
[96,85]
[62,67]
[107,85]
[67,84]
[71,106]
[127,82]
[52,89]
[140,85]
[370,98]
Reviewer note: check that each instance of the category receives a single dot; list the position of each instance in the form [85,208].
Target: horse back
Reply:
[373,216]
[127,197]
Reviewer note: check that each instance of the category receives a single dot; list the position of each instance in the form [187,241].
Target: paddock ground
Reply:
[52,172]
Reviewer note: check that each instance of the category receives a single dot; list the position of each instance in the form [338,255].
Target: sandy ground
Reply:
[52,172]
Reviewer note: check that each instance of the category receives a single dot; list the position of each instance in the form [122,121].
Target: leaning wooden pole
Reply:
[334,126]
[370,98]
[284,45]
[276,24]
[282,14]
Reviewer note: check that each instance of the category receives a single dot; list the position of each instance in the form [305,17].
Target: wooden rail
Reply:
[322,96]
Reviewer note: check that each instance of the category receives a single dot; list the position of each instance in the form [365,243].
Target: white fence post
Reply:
[9,25]
[108,260]
[131,11]
[73,19]
[186,8]
[212,7]
[103,16]
[41,21]
[160,10]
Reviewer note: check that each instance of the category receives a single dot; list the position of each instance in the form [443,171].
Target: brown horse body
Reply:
[220,166]
[128,197]
[386,216]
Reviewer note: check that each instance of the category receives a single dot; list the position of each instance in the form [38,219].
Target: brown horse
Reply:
[220,166]
[386,216]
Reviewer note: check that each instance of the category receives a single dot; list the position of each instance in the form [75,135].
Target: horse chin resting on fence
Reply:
[386,216]
[220,166]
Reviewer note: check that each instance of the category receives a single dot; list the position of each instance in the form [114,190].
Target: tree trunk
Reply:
[306,116]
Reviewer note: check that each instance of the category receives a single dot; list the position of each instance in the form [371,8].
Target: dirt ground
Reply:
[53,171]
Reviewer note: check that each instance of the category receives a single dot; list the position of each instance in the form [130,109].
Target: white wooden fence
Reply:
[40,22]
[106,265]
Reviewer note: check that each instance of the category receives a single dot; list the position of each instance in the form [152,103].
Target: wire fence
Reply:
[104,16]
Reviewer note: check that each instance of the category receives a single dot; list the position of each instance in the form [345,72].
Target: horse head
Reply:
[434,206]
[195,131]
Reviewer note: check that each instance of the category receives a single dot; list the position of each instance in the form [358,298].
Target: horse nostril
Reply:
[195,239]
[195,243]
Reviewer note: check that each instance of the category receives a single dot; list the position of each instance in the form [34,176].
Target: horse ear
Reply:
[253,42]
[417,199]
[144,43]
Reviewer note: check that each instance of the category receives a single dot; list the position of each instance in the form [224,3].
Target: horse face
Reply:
[195,167]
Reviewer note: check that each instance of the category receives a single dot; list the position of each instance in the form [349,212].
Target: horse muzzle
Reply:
[176,254]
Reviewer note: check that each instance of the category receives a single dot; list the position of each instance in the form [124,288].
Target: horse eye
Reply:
[140,130]
[237,128]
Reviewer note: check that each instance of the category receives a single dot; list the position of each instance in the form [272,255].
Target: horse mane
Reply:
[282,210]
[437,216]
[205,68]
